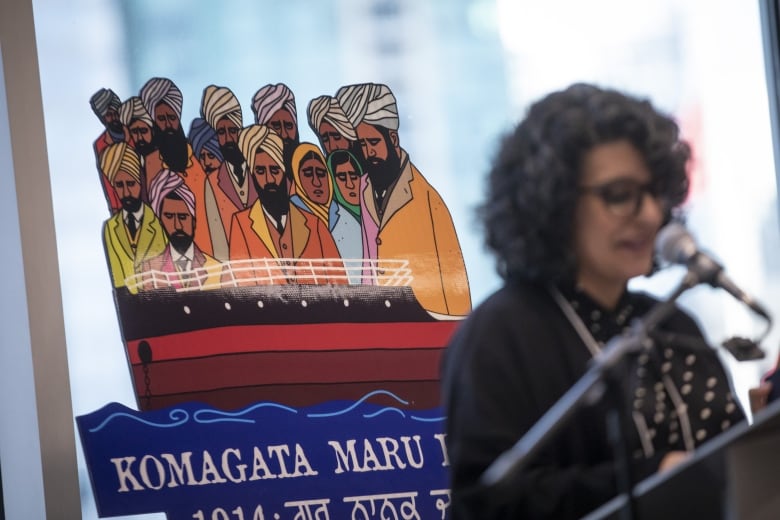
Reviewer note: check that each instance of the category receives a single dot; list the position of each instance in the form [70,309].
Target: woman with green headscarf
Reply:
[344,214]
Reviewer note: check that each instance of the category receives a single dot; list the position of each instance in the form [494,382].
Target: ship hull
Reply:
[292,344]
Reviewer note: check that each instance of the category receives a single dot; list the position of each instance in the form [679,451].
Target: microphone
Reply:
[675,245]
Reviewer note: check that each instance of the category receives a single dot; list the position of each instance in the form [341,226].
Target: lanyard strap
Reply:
[575,320]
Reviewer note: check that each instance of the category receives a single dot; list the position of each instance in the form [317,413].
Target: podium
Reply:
[734,476]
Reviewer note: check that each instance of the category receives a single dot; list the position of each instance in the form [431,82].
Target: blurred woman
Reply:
[577,193]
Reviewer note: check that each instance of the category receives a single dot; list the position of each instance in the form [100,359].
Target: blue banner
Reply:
[341,460]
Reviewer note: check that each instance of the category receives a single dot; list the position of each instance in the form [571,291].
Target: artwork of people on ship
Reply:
[252,205]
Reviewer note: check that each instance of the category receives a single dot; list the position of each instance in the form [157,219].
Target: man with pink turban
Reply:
[403,217]
[272,228]
[182,263]
[133,234]
[229,189]
[163,101]
[274,107]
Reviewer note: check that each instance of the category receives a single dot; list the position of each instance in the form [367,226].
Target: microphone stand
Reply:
[603,375]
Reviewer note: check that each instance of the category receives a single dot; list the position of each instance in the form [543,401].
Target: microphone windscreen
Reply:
[674,244]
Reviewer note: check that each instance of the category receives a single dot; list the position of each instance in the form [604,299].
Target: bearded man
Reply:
[205,146]
[272,228]
[274,107]
[403,216]
[133,234]
[139,124]
[106,105]
[334,131]
[182,264]
[163,100]
[230,189]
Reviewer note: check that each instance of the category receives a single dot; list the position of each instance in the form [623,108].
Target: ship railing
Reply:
[277,271]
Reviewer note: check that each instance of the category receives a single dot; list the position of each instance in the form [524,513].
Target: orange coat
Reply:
[417,227]
[305,237]
[222,201]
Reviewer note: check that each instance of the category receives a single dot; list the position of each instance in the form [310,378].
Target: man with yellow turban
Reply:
[229,189]
[403,217]
[134,233]
[272,228]
[163,101]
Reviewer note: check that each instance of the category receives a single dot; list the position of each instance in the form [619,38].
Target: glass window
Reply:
[463,72]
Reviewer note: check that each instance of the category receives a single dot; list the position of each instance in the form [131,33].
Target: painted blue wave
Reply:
[183,418]
[236,416]
[203,414]
[358,403]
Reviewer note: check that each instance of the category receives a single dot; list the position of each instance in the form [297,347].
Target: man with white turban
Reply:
[403,217]
[229,190]
[328,120]
[272,227]
[274,107]
[163,101]
[139,125]
[182,263]
[133,234]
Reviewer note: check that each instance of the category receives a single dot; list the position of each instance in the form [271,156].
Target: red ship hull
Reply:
[297,345]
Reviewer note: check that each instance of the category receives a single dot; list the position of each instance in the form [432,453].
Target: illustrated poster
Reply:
[283,305]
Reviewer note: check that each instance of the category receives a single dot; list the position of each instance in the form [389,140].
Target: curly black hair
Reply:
[528,214]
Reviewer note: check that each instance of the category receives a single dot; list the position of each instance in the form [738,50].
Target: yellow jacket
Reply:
[123,260]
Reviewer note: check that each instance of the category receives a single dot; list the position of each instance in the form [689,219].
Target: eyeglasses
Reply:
[624,197]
